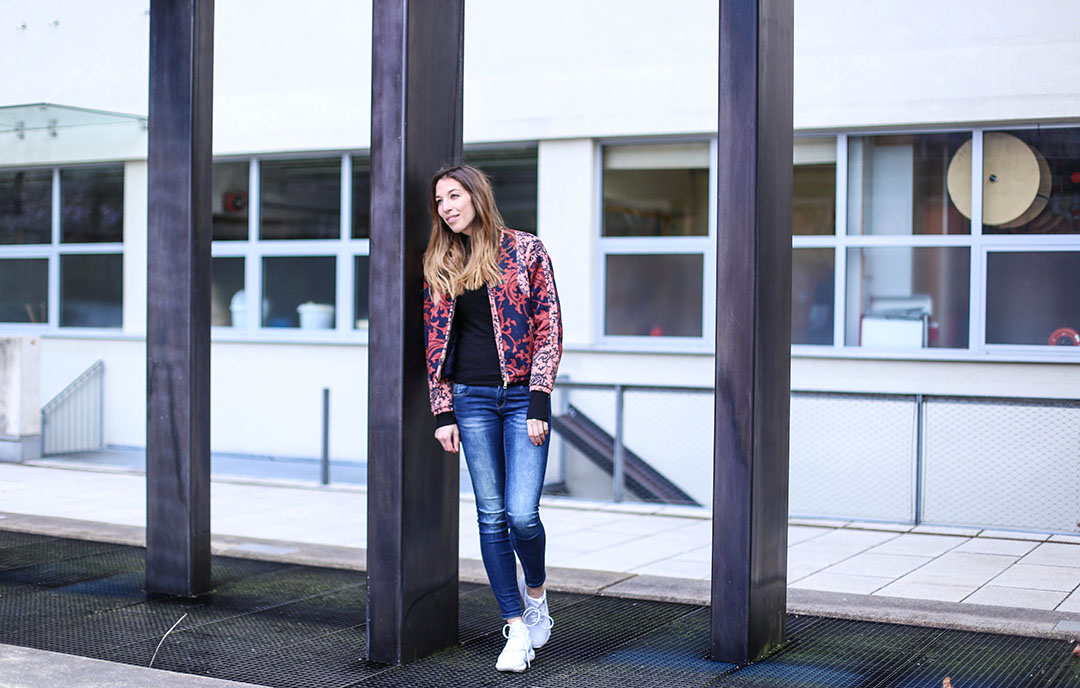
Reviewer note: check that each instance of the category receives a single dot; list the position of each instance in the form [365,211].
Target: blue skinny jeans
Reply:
[507,472]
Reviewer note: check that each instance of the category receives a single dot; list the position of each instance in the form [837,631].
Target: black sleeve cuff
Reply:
[539,406]
[445,418]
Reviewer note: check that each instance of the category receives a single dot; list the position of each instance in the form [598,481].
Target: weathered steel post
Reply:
[412,553]
[753,328]
[178,297]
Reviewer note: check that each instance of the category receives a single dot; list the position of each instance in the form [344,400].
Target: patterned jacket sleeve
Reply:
[546,320]
[436,328]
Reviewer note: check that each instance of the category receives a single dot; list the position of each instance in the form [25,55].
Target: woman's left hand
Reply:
[538,430]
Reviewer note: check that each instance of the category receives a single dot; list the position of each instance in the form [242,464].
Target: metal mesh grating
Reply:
[296,627]
[852,456]
[1016,460]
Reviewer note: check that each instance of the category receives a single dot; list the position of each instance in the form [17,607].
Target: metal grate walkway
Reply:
[285,625]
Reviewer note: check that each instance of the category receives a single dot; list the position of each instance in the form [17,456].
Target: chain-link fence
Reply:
[1000,463]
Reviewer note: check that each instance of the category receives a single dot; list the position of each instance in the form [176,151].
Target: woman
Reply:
[490,393]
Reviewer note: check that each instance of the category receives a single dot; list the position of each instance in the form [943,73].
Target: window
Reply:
[897,184]
[905,297]
[229,200]
[24,290]
[513,179]
[61,263]
[933,252]
[25,207]
[813,216]
[655,241]
[1031,182]
[1031,298]
[300,199]
[278,268]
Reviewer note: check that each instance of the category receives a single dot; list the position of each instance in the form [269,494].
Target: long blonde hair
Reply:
[448,267]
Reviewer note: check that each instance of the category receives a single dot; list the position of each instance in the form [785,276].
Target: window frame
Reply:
[54,250]
[703,245]
[254,249]
[978,244]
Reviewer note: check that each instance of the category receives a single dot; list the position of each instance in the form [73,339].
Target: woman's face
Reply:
[454,205]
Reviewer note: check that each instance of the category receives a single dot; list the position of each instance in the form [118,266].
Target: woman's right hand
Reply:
[449,438]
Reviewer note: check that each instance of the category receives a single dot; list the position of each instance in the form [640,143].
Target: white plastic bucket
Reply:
[316,316]
[238,309]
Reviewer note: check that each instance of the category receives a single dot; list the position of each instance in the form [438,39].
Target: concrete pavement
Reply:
[1009,582]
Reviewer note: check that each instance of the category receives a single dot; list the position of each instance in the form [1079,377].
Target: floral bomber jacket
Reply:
[525,315]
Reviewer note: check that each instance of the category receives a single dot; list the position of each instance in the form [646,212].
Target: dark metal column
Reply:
[178,298]
[412,485]
[753,328]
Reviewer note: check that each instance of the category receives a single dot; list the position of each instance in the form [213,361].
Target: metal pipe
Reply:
[564,408]
[617,472]
[325,477]
[101,407]
[920,411]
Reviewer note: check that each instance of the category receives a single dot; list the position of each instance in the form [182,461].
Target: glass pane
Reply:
[24,290]
[814,206]
[361,197]
[227,305]
[1031,181]
[654,295]
[299,292]
[513,177]
[300,199]
[92,204]
[229,201]
[909,184]
[25,206]
[1031,297]
[903,298]
[656,190]
[361,267]
[92,290]
[812,279]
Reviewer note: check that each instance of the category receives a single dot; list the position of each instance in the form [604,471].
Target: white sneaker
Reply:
[536,616]
[518,652]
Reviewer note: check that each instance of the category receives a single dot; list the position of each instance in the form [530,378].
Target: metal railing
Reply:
[74,420]
[963,461]
[597,401]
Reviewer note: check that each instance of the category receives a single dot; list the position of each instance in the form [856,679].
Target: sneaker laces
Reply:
[522,638]
[534,616]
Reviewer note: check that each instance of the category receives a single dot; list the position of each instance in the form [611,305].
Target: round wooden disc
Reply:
[1012,179]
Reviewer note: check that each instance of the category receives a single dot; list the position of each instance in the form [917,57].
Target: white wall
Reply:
[868,64]
[265,398]
[567,224]
[297,76]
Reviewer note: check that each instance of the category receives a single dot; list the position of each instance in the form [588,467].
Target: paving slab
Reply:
[838,582]
[1039,577]
[981,545]
[919,545]
[1016,597]
[891,566]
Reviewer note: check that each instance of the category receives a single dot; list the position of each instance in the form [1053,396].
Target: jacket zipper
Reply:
[497,326]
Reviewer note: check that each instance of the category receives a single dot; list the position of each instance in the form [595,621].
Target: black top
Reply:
[476,360]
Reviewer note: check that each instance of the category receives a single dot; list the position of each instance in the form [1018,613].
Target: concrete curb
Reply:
[911,612]
[24,667]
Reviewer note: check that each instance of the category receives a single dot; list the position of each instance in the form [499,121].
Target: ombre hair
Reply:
[448,267]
